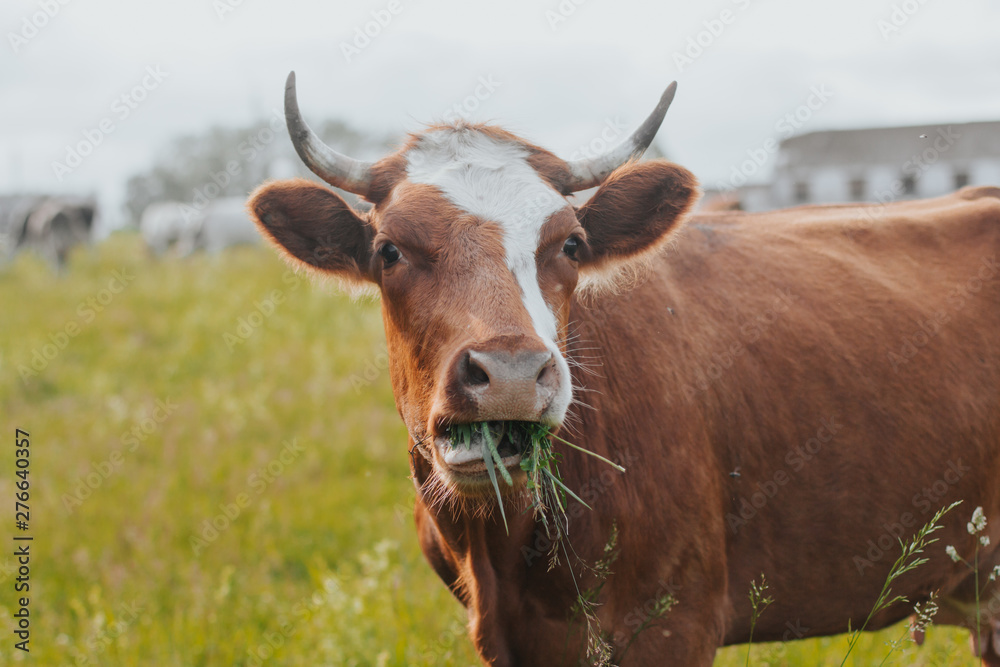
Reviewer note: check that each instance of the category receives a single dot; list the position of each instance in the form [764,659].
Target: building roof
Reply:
[892,145]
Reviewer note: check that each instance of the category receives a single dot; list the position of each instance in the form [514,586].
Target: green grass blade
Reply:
[492,446]
[488,461]
[565,488]
[587,451]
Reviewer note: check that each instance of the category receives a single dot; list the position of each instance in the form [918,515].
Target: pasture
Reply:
[219,476]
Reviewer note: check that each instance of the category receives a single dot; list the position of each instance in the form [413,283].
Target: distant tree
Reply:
[225,162]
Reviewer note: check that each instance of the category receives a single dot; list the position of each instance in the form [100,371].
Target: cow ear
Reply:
[633,214]
[312,225]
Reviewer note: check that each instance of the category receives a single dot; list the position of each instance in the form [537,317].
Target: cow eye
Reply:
[390,254]
[571,247]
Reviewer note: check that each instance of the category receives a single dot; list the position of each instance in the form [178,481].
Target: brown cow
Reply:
[791,391]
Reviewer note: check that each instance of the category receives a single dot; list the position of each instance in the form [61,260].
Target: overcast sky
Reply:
[559,73]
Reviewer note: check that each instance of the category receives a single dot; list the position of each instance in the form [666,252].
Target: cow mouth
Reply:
[463,448]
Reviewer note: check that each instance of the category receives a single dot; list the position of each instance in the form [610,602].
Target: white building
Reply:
[879,165]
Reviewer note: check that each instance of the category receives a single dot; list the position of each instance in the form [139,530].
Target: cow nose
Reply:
[505,385]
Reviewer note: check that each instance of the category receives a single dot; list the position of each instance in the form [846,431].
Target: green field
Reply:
[167,405]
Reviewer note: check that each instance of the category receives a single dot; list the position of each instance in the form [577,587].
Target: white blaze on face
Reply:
[493,180]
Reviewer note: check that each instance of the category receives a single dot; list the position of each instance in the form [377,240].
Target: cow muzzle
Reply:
[503,383]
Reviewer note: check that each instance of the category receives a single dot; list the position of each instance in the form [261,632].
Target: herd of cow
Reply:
[52,225]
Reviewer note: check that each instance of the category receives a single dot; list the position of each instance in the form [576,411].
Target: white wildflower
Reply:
[978,521]
[952,553]
[984,540]
[924,613]
[995,573]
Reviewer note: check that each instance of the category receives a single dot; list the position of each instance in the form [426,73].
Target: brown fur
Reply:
[308,223]
[751,338]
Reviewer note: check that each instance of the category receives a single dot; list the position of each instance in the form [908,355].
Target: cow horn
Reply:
[588,172]
[335,168]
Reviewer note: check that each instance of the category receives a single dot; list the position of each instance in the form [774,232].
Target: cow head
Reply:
[476,254]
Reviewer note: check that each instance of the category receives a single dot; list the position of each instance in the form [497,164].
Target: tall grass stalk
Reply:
[661,606]
[976,525]
[908,560]
[758,603]
[925,614]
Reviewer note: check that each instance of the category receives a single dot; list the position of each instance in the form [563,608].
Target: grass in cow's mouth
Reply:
[533,442]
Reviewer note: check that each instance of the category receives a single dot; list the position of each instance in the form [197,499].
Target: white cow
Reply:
[226,223]
[183,228]
[171,227]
